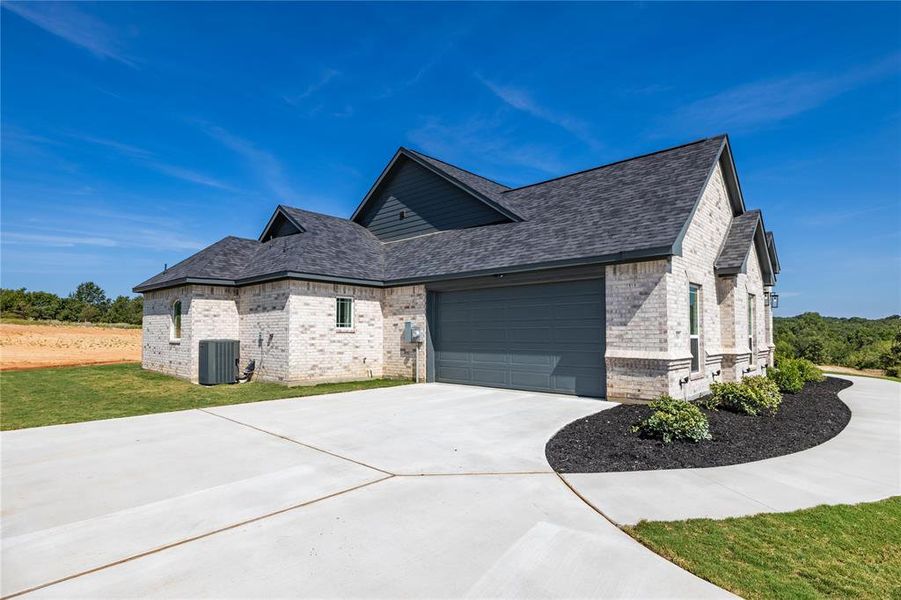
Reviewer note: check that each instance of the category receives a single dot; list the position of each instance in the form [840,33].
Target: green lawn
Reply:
[73,394]
[846,551]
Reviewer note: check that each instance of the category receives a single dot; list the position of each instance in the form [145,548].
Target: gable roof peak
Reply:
[482,189]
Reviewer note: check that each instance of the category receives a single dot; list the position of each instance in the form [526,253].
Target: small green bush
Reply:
[788,376]
[893,371]
[674,420]
[751,395]
[809,371]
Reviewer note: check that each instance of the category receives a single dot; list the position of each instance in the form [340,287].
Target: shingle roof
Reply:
[629,207]
[632,208]
[738,241]
[328,246]
[224,260]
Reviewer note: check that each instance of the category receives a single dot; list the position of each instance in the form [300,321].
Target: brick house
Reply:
[626,281]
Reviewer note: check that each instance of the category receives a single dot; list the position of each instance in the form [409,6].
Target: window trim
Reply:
[696,288]
[175,321]
[338,325]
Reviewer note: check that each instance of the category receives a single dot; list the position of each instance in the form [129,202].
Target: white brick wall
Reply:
[648,350]
[402,304]
[288,328]
[318,351]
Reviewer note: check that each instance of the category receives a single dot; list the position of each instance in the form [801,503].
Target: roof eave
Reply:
[614,258]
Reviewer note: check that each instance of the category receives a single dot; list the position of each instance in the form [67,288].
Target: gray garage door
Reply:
[547,337]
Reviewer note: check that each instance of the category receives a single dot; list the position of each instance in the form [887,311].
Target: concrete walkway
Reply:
[418,491]
[860,464]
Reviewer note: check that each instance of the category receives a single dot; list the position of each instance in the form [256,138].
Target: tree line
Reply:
[850,342]
[87,304]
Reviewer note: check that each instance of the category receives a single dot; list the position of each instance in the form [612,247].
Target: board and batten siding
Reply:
[430,203]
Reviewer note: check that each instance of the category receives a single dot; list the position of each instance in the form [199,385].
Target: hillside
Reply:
[851,342]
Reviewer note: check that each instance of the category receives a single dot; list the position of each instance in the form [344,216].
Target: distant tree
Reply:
[43,306]
[90,293]
[125,310]
[13,303]
[814,350]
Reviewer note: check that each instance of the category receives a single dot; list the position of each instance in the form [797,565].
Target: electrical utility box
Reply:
[218,361]
[412,333]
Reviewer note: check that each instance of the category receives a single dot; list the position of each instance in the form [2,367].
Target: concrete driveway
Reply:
[426,490]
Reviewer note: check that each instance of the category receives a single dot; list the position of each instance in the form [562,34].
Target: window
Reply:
[344,314]
[752,329]
[176,320]
[694,326]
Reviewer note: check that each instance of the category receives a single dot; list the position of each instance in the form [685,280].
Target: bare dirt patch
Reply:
[37,346]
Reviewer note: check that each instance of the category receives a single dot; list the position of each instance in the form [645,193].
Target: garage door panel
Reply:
[490,376]
[519,334]
[533,381]
[547,337]
[528,359]
[454,374]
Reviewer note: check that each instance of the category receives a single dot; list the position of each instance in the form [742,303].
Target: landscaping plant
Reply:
[751,395]
[674,420]
[787,376]
[809,371]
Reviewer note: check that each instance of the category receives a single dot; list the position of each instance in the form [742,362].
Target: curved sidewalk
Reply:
[860,464]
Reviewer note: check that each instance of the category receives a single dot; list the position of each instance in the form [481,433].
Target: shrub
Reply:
[674,420]
[809,371]
[751,395]
[766,393]
[788,376]
[893,371]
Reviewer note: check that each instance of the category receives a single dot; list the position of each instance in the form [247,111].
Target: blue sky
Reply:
[134,134]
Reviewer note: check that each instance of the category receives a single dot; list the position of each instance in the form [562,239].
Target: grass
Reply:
[73,394]
[846,551]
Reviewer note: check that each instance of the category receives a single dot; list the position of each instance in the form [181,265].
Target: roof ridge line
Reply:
[616,162]
[444,162]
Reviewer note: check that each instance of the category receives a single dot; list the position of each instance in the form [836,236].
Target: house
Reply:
[643,277]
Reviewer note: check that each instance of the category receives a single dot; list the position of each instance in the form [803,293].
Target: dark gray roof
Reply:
[630,209]
[774,256]
[224,260]
[738,241]
[328,246]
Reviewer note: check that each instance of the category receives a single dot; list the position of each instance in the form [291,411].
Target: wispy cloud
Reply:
[484,138]
[840,217]
[67,241]
[67,21]
[263,164]
[133,237]
[773,100]
[523,101]
[323,80]
[148,159]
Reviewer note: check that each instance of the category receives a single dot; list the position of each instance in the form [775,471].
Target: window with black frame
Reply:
[694,326]
[344,313]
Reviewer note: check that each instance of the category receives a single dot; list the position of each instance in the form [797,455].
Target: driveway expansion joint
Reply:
[293,441]
[193,539]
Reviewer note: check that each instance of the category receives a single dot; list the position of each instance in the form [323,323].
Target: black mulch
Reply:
[603,442]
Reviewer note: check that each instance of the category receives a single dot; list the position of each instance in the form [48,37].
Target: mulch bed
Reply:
[603,442]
